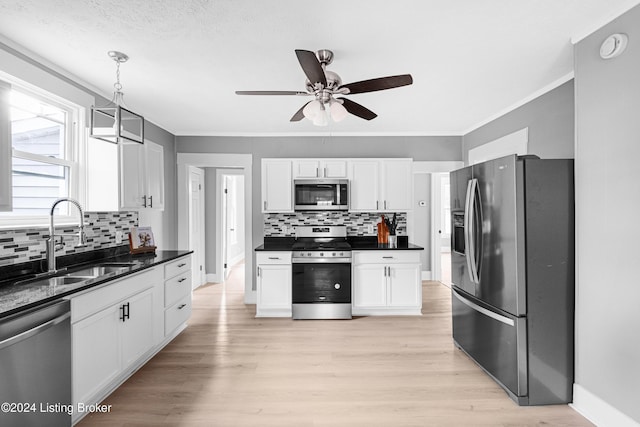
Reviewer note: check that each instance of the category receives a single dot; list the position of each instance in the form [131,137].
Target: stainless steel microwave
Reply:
[321,194]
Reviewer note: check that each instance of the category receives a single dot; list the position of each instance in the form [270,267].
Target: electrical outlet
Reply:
[369,228]
[119,236]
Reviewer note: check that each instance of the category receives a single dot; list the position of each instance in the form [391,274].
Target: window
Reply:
[44,164]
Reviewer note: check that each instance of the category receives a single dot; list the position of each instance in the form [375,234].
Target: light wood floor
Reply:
[231,369]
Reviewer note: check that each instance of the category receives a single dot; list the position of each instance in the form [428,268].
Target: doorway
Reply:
[230,219]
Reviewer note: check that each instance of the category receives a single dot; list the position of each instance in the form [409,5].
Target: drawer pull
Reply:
[387,257]
[181,306]
[274,257]
[181,265]
[182,280]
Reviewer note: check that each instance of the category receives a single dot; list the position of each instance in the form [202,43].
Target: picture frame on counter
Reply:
[141,240]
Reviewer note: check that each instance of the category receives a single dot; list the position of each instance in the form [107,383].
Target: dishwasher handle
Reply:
[35,330]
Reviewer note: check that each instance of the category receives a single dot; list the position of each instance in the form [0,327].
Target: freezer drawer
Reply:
[497,342]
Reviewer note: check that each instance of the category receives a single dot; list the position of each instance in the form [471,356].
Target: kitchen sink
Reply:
[99,270]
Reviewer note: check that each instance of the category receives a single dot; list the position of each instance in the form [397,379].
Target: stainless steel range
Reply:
[321,279]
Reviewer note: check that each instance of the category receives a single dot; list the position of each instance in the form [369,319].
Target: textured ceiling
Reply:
[470,59]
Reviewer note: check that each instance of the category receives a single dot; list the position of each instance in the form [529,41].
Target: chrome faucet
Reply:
[52,246]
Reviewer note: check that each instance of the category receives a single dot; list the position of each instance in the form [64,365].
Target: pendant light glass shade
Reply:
[113,122]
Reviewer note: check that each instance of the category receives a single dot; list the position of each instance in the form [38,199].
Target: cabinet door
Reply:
[96,353]
[405,286]
[132,172]
[334,169]
[154,157]
[306,169]
[136,335]
[397,188]
[274,288]
[6,187]
[276,186]
[364,185]
[369,286]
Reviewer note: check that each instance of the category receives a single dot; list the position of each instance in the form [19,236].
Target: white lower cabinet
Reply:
[112,328]
[273,279]
[386,283]
[118,326]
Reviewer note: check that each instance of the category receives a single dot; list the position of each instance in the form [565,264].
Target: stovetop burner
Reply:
[326,242]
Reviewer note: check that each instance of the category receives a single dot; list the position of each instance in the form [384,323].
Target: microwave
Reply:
[321,194]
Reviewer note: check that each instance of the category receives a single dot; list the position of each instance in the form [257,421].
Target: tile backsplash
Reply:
[282,224]
[28,244]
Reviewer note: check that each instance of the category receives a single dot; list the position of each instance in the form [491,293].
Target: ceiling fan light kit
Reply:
[324,84]
[114,122]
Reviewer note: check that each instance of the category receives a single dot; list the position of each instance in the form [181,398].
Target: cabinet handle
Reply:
[144,201]
[265,205]
[182,280]
[376,205]
[258,271]
[325,171]
[181,306]
[124,312]
[151,201]
[385,204]
[385,271]
[387,257]
[274,257]
[317,173]
[181,265]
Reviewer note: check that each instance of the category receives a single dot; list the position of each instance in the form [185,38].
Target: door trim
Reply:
[216,160]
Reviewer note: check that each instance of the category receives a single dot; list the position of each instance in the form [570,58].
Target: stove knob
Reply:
[308,253]
[301,253]
[341,253]
[334,254]
[321,253]
[337,286]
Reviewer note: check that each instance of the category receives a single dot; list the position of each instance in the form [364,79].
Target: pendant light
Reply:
[114,122]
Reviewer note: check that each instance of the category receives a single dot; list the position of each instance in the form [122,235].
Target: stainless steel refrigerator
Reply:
[512,268]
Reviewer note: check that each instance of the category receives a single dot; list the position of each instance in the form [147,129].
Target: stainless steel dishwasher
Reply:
[35,367]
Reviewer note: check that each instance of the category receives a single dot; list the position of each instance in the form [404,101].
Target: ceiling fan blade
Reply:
[299,115]
[357,109]
[270,92]
[380,83]
[311,66]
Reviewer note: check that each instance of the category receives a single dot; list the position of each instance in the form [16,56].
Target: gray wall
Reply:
[607,205]
[550,121]
[419,148]
[210,183]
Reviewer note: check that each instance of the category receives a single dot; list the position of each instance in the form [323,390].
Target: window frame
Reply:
[75,141]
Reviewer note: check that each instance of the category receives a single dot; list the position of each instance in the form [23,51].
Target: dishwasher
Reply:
[35,367]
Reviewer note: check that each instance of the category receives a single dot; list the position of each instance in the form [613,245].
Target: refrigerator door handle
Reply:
[483,310]
[477,231]
[469,230]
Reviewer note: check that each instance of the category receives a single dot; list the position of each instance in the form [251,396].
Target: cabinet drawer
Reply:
[283,257]
[176,267]
[177,314]
[113,292]
[386,257]
[176,288]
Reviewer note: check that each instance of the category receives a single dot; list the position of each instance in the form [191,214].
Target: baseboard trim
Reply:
[426,275]
[597,410]
[213,278]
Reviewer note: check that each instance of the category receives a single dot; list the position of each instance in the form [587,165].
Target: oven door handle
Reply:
[321,260]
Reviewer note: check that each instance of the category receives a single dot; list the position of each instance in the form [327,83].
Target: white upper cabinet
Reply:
[141,176]
[323,168]
[277,190]
[381,185]
[396,184]
[364,185]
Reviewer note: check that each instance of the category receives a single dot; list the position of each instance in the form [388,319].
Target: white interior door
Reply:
[196,224]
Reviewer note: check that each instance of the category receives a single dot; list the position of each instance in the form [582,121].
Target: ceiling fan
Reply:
[324,85]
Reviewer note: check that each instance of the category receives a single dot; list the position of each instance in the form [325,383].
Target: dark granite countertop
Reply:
[27,290]
[358,243]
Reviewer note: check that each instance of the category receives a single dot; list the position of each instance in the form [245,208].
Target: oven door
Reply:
[321,282]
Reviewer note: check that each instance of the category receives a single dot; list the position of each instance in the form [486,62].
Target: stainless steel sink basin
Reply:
[66,280]
[96,271]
